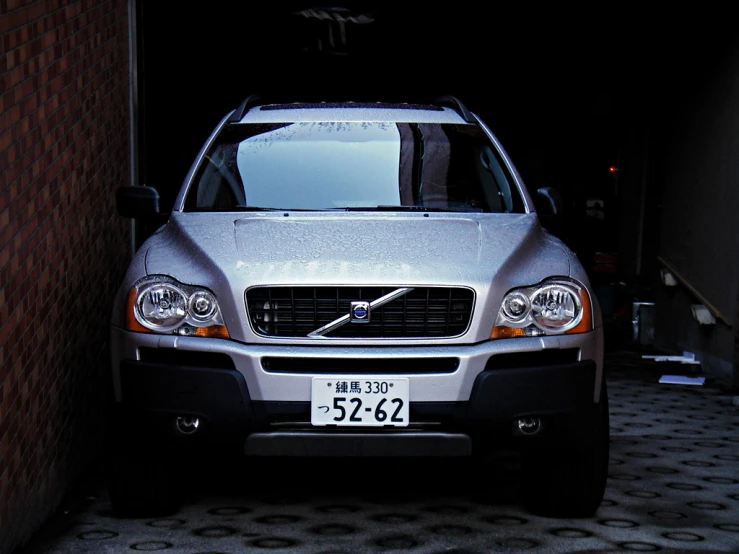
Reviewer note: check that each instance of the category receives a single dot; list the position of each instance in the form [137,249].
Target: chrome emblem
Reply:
[360,312]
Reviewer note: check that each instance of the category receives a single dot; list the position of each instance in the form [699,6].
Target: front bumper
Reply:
[430,381]
[228,387]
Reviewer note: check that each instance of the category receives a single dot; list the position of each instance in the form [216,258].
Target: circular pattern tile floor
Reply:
[673,487]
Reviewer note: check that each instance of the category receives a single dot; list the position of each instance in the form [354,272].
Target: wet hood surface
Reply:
[353,249]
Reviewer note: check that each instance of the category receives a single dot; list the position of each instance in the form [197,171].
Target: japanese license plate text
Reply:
[359,401]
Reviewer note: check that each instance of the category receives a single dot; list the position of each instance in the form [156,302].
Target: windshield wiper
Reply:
[406,209]
[263,209]
[254,209]
[381,208]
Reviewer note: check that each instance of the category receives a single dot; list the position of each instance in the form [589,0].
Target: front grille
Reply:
[189,358]
[520,360]
[424,312]
[274,364]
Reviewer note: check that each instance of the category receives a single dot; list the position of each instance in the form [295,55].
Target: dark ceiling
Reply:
[560,88]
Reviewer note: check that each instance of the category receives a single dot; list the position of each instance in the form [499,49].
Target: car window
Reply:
[353,165]
[493,169]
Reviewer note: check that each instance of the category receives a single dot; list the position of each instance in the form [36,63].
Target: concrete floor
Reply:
[673,487]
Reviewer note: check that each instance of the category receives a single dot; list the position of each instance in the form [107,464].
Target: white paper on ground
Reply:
[686,358]
[682,380]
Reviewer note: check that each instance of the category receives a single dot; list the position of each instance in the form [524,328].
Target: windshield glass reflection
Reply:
[354,166]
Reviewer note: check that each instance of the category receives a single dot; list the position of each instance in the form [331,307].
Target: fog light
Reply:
[527,426]
[187,425]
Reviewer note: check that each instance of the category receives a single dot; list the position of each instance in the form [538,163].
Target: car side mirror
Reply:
[137,202]
[548,201]
[550,208]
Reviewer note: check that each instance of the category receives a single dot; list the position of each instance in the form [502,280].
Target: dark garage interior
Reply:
[631,114]
[597,108]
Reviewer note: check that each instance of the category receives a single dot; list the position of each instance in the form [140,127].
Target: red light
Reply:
[612,169]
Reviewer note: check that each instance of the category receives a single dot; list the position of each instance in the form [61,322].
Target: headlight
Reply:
[162,305]
[553,307]
[203,306]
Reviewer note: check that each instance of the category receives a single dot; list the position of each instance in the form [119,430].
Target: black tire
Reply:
[569,480]
[142,481]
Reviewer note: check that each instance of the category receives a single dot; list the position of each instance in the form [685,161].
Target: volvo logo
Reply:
[360,312]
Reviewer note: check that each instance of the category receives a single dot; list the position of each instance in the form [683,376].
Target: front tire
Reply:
[569,480]
[142,478]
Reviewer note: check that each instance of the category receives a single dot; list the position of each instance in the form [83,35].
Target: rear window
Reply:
[353,165]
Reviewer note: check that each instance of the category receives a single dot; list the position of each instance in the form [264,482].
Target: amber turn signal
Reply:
[500,332]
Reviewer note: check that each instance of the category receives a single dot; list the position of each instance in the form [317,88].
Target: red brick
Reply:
[64,151]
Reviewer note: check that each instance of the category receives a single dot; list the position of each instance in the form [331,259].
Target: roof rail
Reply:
[249,102]
[459,107]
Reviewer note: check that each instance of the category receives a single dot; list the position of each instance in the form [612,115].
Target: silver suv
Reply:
[357,279]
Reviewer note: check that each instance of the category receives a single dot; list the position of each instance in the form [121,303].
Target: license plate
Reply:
[359,401]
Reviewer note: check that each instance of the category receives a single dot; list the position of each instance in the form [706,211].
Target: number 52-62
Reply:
[385,408]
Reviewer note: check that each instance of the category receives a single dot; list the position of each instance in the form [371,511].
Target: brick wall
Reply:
[64,148]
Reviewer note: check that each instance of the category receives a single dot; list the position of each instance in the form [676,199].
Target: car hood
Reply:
[489,253]
[354,249]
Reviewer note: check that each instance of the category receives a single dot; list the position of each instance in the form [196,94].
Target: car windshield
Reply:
[353,166]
